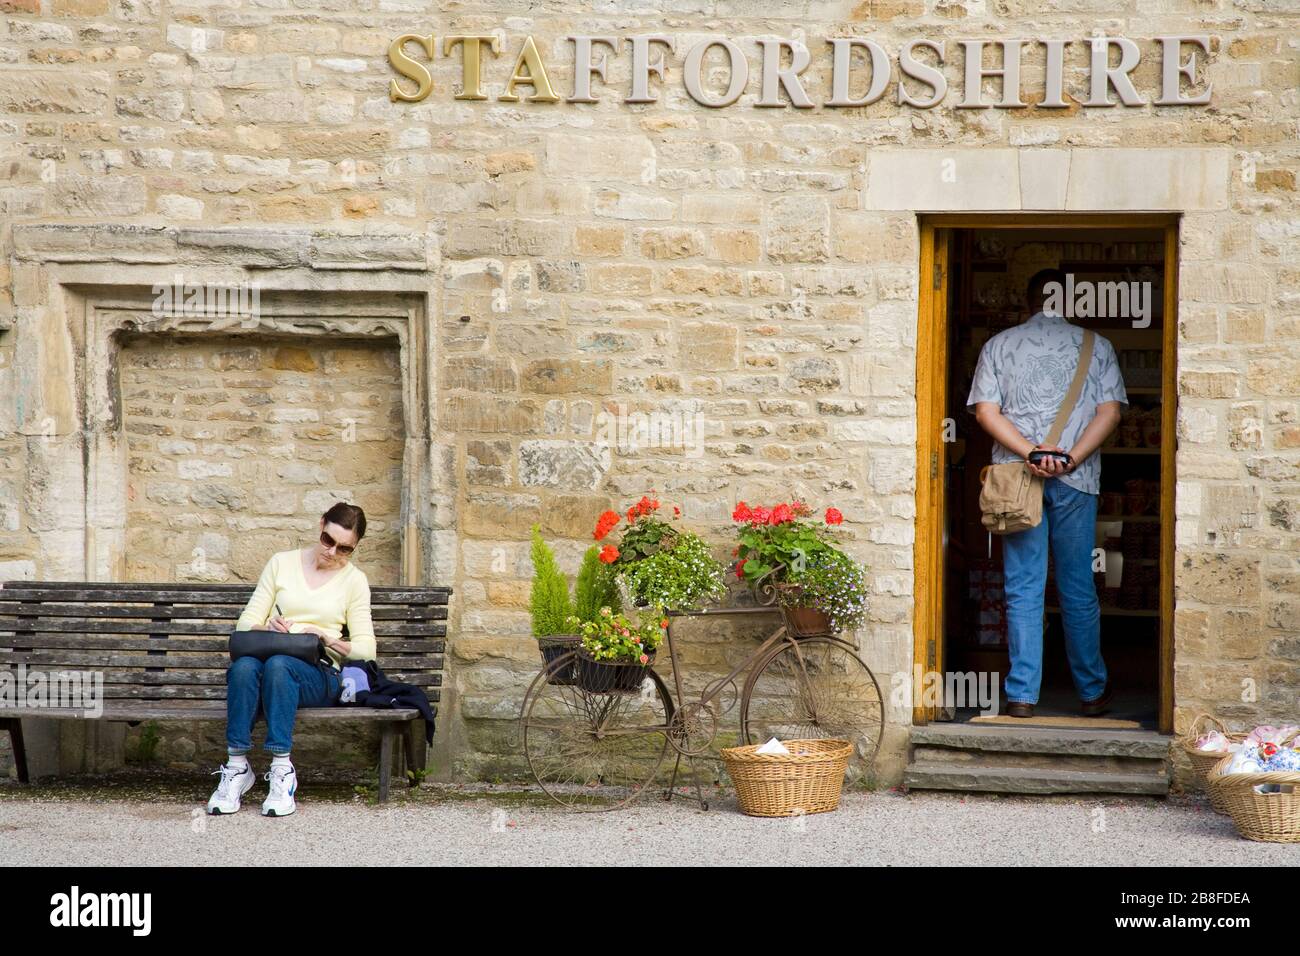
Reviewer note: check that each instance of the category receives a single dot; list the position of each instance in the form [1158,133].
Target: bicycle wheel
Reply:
[592,751]
[815,687]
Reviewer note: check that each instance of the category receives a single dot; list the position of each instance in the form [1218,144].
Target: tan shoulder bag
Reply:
[1011,496]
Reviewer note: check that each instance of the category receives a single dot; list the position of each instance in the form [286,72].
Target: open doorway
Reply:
[981,267]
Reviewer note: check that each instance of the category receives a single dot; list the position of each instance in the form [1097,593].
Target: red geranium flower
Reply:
[760,516]
[833,516]
[782,514]
[740,567]
[606,521]
[742,512]
[609,554]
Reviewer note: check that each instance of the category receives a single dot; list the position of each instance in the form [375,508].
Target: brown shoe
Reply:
[1100,705]
[1016,708]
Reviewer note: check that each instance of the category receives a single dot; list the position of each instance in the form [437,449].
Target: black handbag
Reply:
[264,644]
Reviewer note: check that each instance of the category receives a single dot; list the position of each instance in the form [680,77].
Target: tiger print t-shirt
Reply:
[1027,370]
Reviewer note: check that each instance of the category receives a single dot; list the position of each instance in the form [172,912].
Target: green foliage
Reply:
[678,576]
[614,637]
[789,545]
[595,587]
[146,747]
[548,602]
[643,537]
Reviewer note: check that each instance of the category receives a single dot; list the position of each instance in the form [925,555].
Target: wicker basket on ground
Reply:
[1203,761]
[1266,817]
[807,780]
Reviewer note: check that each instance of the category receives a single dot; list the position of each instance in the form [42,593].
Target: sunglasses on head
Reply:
[329,542]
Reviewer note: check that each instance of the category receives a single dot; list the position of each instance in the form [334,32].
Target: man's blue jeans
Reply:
[1069,529]
[274,690]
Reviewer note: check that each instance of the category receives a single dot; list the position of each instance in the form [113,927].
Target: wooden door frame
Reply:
[931,406]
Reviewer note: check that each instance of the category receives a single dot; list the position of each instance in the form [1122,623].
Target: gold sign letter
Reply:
[409,68]
[536,76]
[471,63]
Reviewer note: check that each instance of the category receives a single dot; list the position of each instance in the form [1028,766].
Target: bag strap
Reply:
[1076,386]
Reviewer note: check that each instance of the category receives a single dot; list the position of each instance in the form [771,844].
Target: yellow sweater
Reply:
[343,599]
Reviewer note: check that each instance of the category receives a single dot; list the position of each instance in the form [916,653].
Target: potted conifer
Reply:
[551,610]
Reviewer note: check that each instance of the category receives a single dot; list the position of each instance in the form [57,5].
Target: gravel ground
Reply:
[502,826]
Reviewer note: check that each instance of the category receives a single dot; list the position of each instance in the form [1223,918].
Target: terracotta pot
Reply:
[806,621]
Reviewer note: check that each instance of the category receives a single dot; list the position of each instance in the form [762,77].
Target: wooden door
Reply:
[931,467]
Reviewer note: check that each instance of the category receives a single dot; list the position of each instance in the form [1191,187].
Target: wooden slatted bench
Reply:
[162,650]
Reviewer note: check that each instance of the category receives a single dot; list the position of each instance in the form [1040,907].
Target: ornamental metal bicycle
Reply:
[594,745]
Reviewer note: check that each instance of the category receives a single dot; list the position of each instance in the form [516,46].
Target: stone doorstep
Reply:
[1037,760]
[959,758]
[1031,780]
[1044,740]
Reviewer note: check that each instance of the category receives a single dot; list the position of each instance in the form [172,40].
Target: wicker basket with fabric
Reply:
[1203,761]
[1265,817]
[807,780]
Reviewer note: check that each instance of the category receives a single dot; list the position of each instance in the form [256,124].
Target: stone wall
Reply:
[756,268]
[236,449]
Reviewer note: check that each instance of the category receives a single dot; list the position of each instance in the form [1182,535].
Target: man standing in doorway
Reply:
[1021,380]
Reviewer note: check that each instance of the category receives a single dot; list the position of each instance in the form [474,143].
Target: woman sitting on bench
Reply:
[312,590]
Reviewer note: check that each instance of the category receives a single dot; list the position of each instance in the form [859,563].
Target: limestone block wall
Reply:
[235,449]
[754,270]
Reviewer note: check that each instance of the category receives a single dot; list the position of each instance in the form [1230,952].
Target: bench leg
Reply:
[15,727]
[408,746]
[386,743]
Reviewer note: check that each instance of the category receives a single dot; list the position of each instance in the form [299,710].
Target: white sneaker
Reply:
[235,782]
[284,784]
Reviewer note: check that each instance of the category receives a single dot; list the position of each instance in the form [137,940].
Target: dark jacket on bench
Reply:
[392,694]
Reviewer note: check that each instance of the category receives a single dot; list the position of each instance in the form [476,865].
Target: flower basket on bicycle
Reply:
[556,657]
[615,651]
[795,562]
[806,621]
[609,677]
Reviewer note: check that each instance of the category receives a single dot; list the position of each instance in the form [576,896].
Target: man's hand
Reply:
[1050,467]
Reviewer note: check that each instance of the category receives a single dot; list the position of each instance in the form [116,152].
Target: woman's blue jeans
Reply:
[274,689]
[1068,528]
